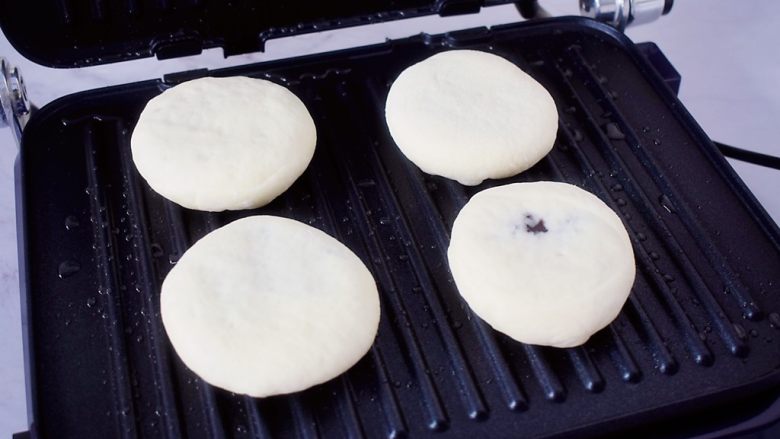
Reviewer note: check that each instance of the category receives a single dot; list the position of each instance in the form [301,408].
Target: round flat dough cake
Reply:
[267,305]
[223,143]
[545,263]
[469,116]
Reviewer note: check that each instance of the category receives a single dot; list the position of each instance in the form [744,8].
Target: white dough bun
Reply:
[469,116]
[545,263]
[219,144]
[267,305]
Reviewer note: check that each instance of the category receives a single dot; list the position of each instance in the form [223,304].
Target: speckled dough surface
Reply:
[470,115]
[223,143]
[267,305]
[545,263]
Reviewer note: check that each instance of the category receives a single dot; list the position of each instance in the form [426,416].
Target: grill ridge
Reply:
[661,354]
[393,416]
[716,258]
[392,412]
[370,251]
[395,420]
[304,425]
[545,376]
[514,398]
[206,398]
[700,352]
[155,340]
[621,356]
[66,11]
[97,10]
[347,411]
[131,7]
[255,425]
[666,362]
[475,406]
[587,372]
[725,329]
[108,285]
[437,418]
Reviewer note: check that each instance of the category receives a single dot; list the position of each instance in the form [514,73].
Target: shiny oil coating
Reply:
[546,263]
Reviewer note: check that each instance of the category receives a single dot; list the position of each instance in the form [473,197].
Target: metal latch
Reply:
[14,105]
[622,13]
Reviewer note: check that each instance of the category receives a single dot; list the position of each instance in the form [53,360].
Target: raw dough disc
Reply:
[267,305]
[470,115]
[223,143]
[545,263]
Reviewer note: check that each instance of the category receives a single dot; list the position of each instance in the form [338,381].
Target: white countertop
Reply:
[727,57]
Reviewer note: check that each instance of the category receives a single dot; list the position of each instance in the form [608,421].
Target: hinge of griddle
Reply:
[457,7]
[622,13]
[179,77]
[468,36]
[15,108]
[176,46]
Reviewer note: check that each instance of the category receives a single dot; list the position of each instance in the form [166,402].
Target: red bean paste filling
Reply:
[532,225]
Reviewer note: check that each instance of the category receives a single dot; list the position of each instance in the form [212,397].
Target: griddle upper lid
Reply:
[77,33]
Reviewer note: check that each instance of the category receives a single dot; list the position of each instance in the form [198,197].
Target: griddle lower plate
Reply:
[96,243]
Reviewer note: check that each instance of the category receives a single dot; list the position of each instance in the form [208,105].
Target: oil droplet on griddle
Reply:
[741,332]
[614,132]
[71,222]
[68,268]
[91,302]
[774,320]
[654,256]
[666,203]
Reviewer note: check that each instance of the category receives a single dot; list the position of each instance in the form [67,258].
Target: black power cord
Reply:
[753,157]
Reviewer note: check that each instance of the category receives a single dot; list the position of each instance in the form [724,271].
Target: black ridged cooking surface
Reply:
[696,331]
